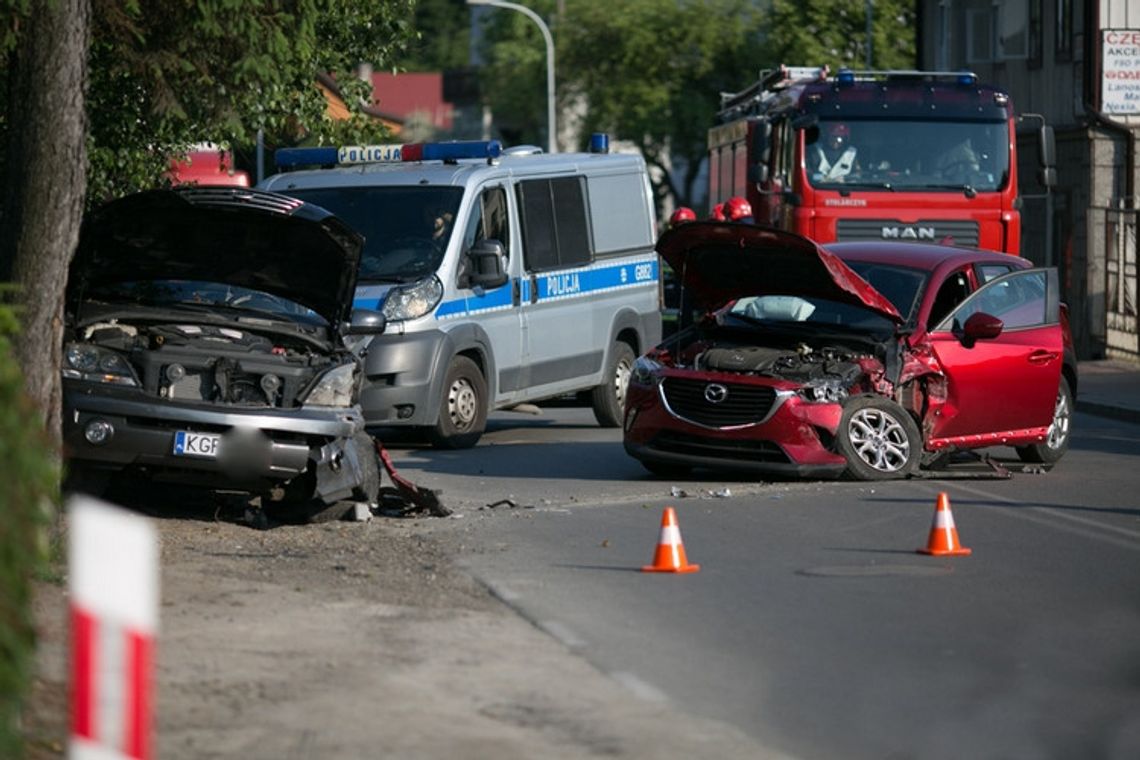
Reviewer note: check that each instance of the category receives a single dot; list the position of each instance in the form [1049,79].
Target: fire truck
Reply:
[874,155]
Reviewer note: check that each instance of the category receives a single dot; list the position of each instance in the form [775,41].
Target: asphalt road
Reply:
[813,625]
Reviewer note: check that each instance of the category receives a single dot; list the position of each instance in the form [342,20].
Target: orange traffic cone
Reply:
[943,535]
[670,555]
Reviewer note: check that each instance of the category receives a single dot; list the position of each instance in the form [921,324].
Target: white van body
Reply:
[567,306]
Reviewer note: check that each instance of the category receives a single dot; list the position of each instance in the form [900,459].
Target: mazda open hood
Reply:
[236,236]
[718,262]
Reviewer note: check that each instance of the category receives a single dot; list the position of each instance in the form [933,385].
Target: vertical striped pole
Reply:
[113,565]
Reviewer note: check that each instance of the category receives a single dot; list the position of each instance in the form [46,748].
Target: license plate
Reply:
[187,444]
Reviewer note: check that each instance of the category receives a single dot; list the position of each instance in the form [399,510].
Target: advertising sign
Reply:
[1120,71]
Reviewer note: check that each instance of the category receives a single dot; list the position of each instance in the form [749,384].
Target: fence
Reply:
[1122,339]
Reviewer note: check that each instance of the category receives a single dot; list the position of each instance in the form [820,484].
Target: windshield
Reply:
[194,294]
[405,229]
[812,315]
[902,286]
[893,155]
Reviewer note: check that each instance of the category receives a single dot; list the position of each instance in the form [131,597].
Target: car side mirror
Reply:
[979,326]
[486,270]
[366,322]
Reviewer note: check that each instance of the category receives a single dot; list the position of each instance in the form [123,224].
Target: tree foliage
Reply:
[166,74]
[834,32]
[651,72]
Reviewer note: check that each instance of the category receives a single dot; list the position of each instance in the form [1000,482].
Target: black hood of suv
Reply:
[237,236]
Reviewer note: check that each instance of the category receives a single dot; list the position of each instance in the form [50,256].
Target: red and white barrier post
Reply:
[113,561]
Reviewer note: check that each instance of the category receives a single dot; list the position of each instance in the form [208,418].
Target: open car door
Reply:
[1001,351]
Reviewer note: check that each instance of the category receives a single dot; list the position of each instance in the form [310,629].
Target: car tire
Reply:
[879,439]
[462,407]
[608,399]
[1060,431]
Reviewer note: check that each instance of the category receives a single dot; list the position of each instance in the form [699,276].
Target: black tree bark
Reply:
[46,185]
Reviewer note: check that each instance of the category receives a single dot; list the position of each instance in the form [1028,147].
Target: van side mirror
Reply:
[486,264]
[366,322]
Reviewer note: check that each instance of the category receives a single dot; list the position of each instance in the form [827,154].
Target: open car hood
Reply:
[236,236]
[717,262]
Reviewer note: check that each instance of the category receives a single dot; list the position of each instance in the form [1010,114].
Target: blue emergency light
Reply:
[372,154]
[845,76]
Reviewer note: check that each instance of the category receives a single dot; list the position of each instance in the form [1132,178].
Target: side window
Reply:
[554,224]
[489,220]
[954,291]
[1026,298]
[987,272]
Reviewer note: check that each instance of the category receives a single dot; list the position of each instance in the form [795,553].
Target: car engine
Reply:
[210,363]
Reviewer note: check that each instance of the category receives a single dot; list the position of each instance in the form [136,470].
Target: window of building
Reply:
[1013,23]
[1063,43]
[979,35]
[1036,33]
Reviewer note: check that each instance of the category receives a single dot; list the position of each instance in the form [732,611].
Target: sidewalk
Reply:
[1109,388]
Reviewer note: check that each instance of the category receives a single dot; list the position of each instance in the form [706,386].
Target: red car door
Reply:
[1007,383]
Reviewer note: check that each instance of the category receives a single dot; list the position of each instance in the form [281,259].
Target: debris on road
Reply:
[406,497]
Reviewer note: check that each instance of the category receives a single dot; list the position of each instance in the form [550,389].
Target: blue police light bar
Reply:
[304,156]
[845,76]
[967,78]
[452,151]
[372,154]
[599,143]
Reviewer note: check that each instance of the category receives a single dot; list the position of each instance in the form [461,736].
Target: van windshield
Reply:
[406,229]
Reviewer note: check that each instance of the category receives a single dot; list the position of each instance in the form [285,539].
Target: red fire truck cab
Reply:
[894,155]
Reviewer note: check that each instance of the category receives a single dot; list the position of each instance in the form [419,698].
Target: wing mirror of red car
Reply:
[979,326]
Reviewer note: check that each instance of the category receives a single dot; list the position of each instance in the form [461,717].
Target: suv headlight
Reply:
[337,387]
[412,301]
[823,392]
[83,361]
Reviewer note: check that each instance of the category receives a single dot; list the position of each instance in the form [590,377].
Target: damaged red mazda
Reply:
[866,359]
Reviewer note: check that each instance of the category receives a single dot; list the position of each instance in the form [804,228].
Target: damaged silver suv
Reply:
[205,345]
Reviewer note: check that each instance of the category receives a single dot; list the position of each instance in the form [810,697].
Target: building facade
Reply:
[1075,66]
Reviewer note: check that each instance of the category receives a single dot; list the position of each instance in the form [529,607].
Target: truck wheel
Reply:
[609,397]
[462,408]
[1057,442]
[879,439]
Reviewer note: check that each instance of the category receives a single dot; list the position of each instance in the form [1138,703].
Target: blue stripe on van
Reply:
[569,283]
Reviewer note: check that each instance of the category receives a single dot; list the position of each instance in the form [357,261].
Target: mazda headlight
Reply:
[337,387]
[645,372]
[823,392]
[413,301]
[83,361]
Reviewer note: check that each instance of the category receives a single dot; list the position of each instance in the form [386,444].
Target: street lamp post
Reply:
[549,59]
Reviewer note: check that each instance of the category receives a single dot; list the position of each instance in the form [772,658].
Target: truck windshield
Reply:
[907,155]
[406,229]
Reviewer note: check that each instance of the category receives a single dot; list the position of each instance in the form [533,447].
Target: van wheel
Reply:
[609,397]
[462,408]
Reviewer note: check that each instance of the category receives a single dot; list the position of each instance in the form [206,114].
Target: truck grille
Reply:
[741,405]
[963,232]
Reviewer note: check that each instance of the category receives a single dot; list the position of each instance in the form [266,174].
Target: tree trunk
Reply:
[46,187]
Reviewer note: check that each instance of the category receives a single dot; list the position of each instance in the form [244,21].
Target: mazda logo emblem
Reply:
[715,393]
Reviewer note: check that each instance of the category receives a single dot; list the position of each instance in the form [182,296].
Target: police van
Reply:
[506,276]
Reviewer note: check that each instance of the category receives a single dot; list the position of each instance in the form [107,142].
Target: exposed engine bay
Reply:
[845,367]
[218,364]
